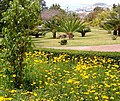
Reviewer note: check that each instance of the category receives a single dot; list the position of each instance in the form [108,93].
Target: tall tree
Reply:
[113,21]
[55,6]
[94,14]
[101,17]
[19,20]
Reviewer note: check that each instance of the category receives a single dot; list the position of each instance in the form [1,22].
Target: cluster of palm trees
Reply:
[68,24]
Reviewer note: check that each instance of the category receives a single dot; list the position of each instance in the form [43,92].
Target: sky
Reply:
[73,4]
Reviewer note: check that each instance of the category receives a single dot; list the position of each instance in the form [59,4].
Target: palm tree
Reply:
[70,24]
[84,30]
[52,26]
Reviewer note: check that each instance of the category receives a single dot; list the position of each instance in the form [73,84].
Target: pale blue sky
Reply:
[72,4]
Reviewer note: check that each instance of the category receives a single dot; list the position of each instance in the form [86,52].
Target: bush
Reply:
[114,37]
[76,53]
[36,32]
[63,42]
[85,30]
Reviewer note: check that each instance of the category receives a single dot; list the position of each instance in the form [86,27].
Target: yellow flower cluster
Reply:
[63,78]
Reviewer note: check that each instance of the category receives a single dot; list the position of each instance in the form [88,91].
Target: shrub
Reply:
[85,30]
[114,37]
[63,42]
[76,53]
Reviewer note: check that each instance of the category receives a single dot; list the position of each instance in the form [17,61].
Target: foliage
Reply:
[101,17]
[114,37]
[38,31]
[107,26]
[113,21]
[55,6]
[4,5]
[84,30]
[52,25]
[66,78]
[91,39]
[18,20]
[98,9]
[76,54]
[63,42]
[93,15]
[70,24]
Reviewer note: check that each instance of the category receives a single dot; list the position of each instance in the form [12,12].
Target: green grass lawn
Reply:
[95,37]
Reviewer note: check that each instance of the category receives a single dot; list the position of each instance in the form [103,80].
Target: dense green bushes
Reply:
[76,53]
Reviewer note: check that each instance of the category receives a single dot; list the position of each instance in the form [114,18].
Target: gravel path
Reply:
[102,48]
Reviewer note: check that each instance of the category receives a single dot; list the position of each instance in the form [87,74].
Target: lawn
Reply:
[96,37]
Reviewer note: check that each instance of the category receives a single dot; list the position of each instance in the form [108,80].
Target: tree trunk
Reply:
[83,34]
[119,31]
[109,32]
[36,36]
[21,68]
[115,32]
[54,35]
[71,36]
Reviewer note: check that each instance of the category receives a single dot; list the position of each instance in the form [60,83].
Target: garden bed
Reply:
[66,76]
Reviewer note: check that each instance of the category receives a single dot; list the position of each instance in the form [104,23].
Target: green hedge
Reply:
[76,53]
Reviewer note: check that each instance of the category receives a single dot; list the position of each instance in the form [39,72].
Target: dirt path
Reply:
[104,48]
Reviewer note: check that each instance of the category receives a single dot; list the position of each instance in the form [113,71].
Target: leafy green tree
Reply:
[107,26]
[117,9]
[101,17]
[94,14]
[113,21]
[4,5]
[19,20]
[57,7]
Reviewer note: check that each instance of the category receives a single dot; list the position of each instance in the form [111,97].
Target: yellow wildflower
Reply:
[96,98]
